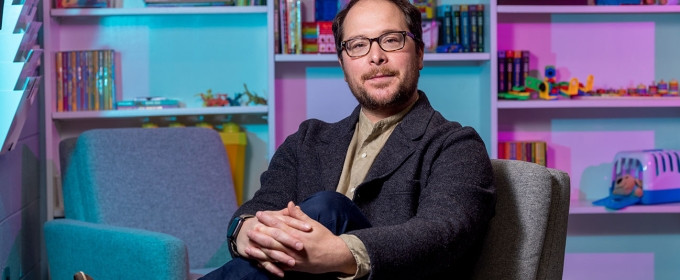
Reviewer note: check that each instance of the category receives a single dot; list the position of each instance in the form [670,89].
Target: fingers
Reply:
[297,213]
[266,255]
[273,238]
[284,216]
[272,268]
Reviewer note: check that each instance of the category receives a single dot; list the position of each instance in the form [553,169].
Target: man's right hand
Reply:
[284,239]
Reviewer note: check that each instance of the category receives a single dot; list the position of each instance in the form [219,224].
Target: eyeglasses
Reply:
[389,42]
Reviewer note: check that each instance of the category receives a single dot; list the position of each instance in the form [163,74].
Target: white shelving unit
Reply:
[69,29]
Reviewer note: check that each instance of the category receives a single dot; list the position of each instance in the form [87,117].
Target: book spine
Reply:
[90,80]
[277,34]
[100,80]
[509,57]
[72,82]
[473,27]
[60,82]
[517,69]
[78,81]
[95,80]
[501,150]
[480,28]
[112,83]
[105,79]
[513,150]
[502,85]
[456,25]
[525,67]
[540,153]
[465,27]
[66,79]
[83,81]
[447,28]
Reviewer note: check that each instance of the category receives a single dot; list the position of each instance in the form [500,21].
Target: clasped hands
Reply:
[289,240]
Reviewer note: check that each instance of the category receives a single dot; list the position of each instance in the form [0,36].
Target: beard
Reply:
[405,89]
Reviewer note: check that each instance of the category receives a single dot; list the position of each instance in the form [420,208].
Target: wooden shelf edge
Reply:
[428,57]
[157,11]
[581,207]
[655,102]
[108,114]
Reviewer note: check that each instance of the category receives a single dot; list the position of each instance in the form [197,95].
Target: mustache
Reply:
[382,72]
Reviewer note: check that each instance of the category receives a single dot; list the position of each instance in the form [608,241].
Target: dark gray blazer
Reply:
[428,194]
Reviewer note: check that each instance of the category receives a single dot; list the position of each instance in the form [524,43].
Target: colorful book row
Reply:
[85,80]
[317,37]
[462,25]
[288,26]
[534,151]
[513,69]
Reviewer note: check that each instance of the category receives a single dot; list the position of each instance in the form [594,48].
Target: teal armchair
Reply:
[142,204]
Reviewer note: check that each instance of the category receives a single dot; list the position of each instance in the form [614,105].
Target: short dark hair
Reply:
[411,13]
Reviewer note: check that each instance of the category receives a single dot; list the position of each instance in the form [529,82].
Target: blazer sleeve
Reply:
[278,183]
[457,200]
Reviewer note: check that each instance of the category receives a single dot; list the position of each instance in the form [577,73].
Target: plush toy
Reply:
[626,191]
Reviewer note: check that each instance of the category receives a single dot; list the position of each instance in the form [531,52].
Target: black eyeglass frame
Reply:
[377,40]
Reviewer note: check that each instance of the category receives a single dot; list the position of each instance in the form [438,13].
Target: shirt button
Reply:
[363,155]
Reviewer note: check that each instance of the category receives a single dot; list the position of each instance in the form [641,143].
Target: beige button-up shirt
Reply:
[367,141]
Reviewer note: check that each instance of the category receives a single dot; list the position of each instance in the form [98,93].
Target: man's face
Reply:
[380,79]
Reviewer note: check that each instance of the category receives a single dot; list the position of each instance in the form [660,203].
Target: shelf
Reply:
[428,57]
[604,102]
[587,207]
[97,12]
[83,115]
[575,9]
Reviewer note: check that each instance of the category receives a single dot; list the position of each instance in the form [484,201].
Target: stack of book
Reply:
[317,37]
[532,151]
[85,80]
[513,69]
[462,27]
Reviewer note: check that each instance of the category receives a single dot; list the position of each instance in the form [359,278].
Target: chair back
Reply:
[175,181]
[527,236]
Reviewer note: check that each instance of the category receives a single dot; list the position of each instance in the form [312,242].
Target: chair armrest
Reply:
[111,252]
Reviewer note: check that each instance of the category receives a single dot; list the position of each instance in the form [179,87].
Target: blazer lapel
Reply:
[403,141]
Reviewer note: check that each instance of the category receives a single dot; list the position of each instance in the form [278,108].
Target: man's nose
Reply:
[376,54]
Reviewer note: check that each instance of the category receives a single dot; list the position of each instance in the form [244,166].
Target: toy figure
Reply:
[210,101]
[663,87]
[627,185]
[253,98]
[236,101]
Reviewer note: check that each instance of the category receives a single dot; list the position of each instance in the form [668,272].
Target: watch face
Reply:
[232,227]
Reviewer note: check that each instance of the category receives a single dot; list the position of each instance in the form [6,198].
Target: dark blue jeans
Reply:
[331,209]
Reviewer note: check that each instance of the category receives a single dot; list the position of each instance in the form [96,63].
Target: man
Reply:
[394,191]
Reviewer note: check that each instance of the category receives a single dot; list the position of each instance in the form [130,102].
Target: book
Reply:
[465,28]
[28,41]
[472,13]
[502,85]
[480,28]
[525,67]
[446,18]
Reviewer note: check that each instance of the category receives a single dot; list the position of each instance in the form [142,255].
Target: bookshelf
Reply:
[584,135]
[176,52]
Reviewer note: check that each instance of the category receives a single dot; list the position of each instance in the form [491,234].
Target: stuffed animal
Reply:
[626,190]
[627,184]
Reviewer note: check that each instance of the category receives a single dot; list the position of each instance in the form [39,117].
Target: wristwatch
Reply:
[233,231]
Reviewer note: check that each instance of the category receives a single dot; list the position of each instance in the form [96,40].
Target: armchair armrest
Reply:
[111,252]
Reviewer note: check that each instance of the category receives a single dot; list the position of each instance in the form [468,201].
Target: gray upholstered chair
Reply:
[527,236]
[142,204]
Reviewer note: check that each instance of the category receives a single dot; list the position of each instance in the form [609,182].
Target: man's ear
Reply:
[343,68]
[421,57]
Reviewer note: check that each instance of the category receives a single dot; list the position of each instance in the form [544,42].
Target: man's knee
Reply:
[325,202]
